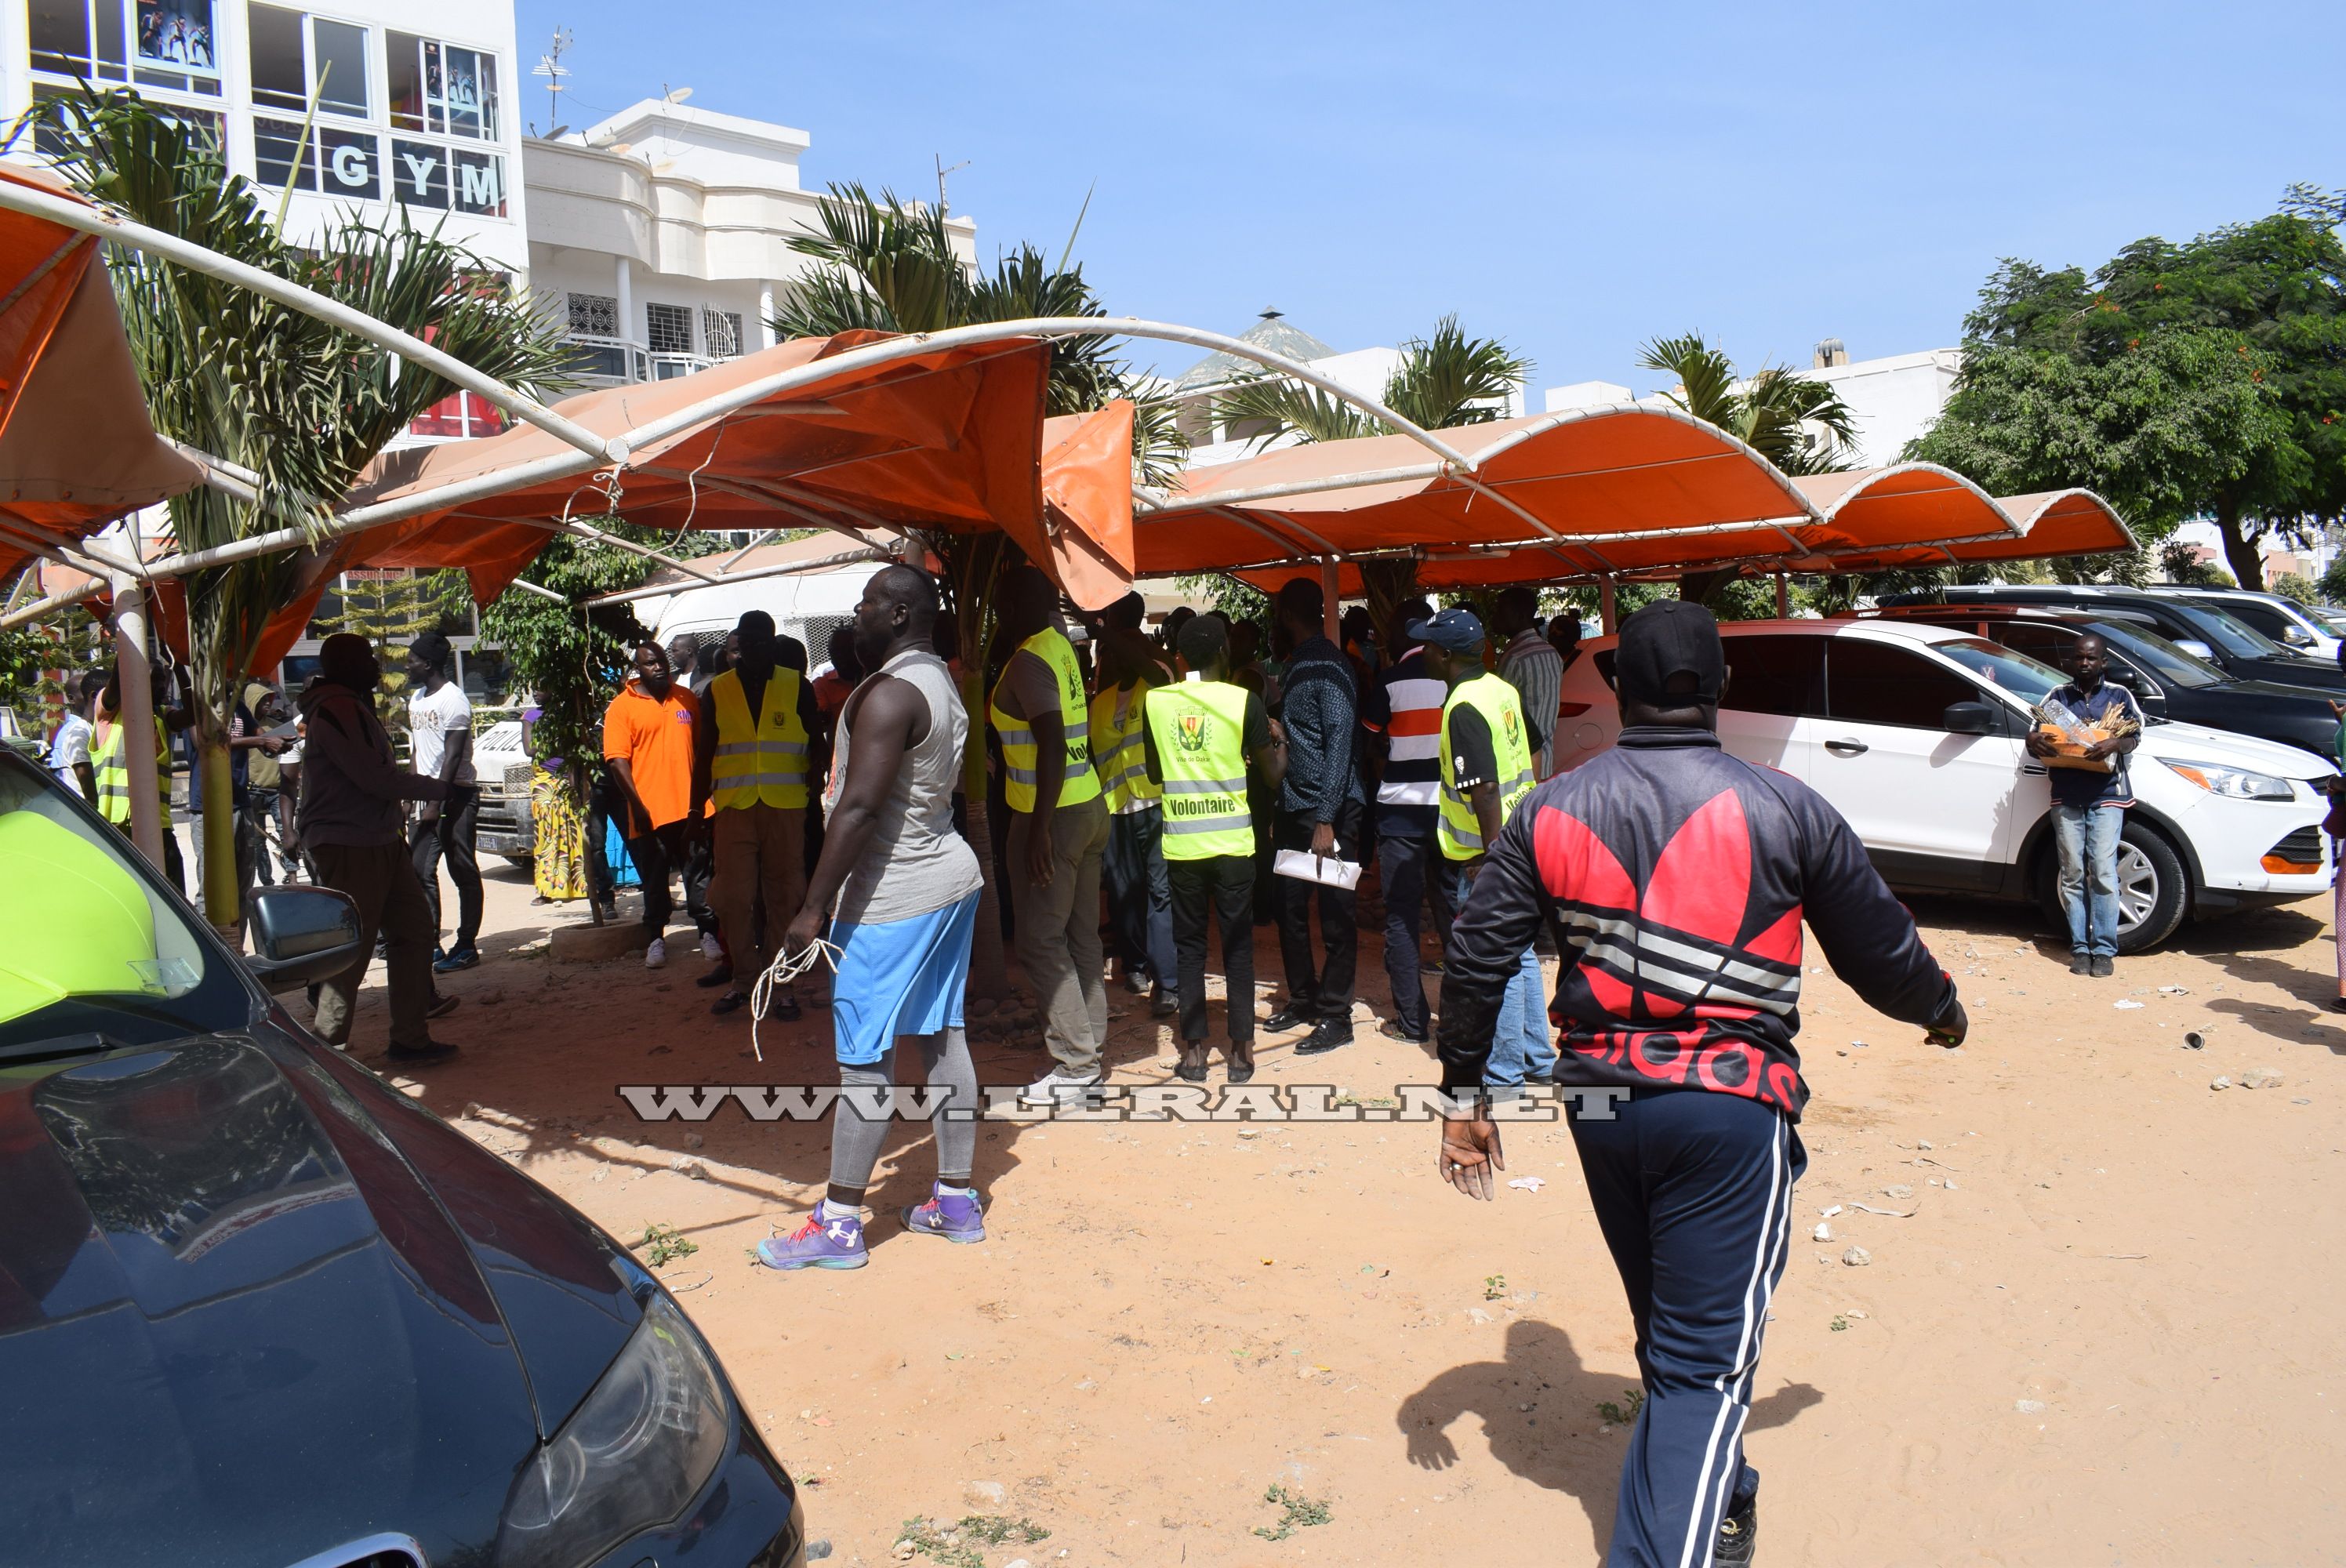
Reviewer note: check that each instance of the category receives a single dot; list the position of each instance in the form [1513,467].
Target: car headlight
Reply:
[629,1459]
[2237,783]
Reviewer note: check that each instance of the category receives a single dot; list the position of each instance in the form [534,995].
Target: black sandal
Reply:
[731,1002]
[786,1008]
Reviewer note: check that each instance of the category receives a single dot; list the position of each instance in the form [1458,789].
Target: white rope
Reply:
[786,968]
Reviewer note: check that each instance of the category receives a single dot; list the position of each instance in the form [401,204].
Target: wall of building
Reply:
[363,152]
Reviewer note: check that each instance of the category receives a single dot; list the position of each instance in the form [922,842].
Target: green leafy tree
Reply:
[2178,563]
[2203,379]
[304,405]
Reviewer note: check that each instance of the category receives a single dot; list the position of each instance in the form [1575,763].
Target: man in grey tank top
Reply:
[906,886]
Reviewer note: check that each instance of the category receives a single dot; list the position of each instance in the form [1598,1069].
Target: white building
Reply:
[661,235]
[414,98]
[1894,398]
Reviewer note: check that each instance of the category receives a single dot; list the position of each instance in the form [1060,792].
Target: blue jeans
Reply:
[2088,839]
[1523,1045]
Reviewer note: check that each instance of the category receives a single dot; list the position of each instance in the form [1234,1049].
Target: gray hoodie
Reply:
[352,790]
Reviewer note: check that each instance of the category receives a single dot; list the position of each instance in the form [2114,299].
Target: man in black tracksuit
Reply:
[1677,878]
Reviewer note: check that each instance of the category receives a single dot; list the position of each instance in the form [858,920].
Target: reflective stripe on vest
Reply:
[762,763]
[1502,711]
[109,768]
[1119,754]
[1079,783]
[1200,728]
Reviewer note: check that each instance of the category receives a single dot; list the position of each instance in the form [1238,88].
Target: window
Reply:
[459,414]
[1874,683]
[594,315]
[419,173]
[668,328]
[442,87]
[176,46]
[721,330]
[293,56]
[478,182]
[1776,674]
[282,155]
[79,38]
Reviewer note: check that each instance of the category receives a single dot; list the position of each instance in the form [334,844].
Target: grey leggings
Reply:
[855,1141]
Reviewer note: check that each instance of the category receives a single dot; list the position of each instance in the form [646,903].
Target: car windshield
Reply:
[2163,658]
[89,942]
[2233,635]
[2329,620]
[2015,673]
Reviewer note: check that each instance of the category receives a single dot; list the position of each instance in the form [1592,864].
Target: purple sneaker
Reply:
[955,1215]
[817,1244]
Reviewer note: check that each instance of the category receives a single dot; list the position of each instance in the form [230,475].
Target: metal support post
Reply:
[1607,607]
[1332,577]
[136,715]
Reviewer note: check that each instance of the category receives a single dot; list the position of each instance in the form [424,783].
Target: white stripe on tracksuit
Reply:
[1716,1487]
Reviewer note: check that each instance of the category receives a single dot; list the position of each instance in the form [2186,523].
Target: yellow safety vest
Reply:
[1079,783]
[109,768]
[1200,728]
[1123,761]
[764,763]
[1503,710]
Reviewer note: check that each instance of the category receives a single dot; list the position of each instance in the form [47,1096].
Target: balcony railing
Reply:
[608,361]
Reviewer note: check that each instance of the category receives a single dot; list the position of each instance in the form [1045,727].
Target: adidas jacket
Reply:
[1679,878]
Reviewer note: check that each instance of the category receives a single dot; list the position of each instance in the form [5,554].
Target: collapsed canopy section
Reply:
[77,445]
[947,438]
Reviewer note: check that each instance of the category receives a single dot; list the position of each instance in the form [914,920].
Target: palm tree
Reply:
[889,265]
[1800,424]
[302,404]
[1442,382]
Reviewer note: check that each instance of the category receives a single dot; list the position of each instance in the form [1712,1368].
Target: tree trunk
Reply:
[2240,549]
[1387,582]
[223,893]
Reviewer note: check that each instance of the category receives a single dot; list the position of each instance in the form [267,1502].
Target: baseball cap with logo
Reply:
[1670,656]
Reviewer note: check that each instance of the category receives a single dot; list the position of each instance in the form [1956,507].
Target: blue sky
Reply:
[1575,179]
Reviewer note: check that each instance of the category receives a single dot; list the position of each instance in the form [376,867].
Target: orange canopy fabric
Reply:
[2049,523]
[953,439]
[78,447]
[1627,491]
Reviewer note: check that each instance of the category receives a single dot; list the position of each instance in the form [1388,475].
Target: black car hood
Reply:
[236,1326]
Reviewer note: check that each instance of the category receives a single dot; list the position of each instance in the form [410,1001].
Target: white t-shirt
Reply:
[429,717]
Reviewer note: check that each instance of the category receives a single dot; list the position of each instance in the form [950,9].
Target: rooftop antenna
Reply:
[943,208]
[549,65]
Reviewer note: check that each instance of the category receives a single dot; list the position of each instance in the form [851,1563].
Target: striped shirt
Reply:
[1405,705]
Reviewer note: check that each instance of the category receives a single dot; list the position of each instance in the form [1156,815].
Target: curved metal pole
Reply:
[120,231]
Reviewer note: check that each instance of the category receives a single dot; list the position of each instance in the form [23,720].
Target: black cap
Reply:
[1454,630]
[1669,656]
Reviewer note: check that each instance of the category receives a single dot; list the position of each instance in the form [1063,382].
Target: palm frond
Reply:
[1451,379]
[1283,407]
[1706,378]
[897,251]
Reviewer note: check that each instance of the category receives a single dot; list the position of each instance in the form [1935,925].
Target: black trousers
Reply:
[665,851]
[450,836]
[1140,895]
[1226,883]
[1412,870]
[1693,1191]
[1324,989]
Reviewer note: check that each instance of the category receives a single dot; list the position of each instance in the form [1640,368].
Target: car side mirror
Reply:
[1969,718]
[300,935]
[2195,647]
[2124,677]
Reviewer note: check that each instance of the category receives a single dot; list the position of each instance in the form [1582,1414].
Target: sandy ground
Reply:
[2103,1332]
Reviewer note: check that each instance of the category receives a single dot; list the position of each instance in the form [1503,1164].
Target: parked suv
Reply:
[2295,626]
[258,1306]
[1914,733]
[2233,645]
[2169,682]
[501,762]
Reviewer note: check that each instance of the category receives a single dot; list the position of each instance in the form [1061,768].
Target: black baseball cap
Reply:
[1669,656]
[1453,630]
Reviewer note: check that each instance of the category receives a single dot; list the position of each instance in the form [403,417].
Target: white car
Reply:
[2299,628]
[1915,734]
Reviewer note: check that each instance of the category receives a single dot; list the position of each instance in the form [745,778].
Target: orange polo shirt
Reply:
[655,740]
